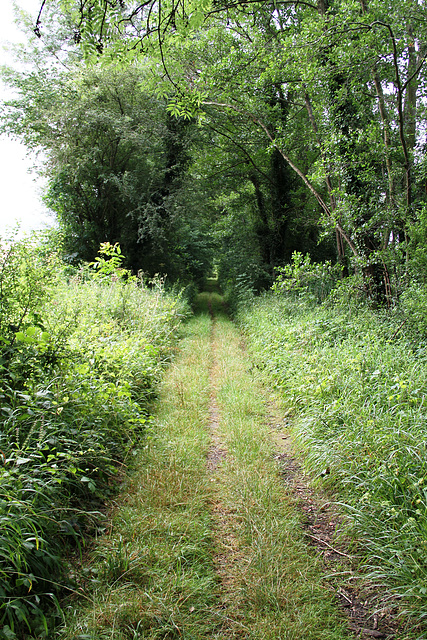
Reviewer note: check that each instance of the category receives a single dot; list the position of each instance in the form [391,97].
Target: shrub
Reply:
[307,279]
[413,306]
[80,360]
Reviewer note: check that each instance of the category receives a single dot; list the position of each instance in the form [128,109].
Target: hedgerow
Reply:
[80,358]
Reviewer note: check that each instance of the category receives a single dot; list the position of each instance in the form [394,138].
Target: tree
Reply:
[115,159]
[349,73]
[328,59]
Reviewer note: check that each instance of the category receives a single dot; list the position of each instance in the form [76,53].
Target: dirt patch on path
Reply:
[226,554]
[217,451]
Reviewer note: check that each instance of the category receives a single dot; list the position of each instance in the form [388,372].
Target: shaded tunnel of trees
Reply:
[232,135]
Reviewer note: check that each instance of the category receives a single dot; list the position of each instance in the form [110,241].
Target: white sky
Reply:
[19,189]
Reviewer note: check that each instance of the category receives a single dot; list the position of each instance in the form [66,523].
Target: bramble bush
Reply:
[80,358]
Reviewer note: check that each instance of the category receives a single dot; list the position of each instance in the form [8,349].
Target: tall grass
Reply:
[357,394]
[152,575]
[80,360]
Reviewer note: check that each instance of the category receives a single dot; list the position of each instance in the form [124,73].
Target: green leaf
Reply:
[20,461]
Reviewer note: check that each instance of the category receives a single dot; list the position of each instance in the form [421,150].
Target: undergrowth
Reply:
[356,385]
[80,357]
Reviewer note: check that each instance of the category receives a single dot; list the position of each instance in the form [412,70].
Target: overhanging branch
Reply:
[297,170]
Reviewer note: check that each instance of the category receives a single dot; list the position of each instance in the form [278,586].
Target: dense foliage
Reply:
[313,113]
[256,140]
[354,382]
[115,162]
[81,354]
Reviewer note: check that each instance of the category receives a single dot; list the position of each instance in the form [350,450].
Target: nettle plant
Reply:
[28,276]
[109,262]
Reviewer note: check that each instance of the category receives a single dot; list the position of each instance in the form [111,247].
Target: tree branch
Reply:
[241,147]
[297,170]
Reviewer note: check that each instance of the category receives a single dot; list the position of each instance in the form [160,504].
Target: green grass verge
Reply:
[277,586]
[357,394]
[80,360]
[153,577]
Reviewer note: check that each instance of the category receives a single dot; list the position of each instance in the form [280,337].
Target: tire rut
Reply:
[228,556]
[322,527]
[226,548]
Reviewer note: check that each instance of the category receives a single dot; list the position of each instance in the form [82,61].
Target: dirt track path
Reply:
[270,585]
[316,523]
[210,538]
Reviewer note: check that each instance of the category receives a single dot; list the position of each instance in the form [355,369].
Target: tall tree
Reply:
[114,159]
[350,72]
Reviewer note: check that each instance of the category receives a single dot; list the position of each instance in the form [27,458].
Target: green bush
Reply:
[306,279]
[413,306]
[80,360]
